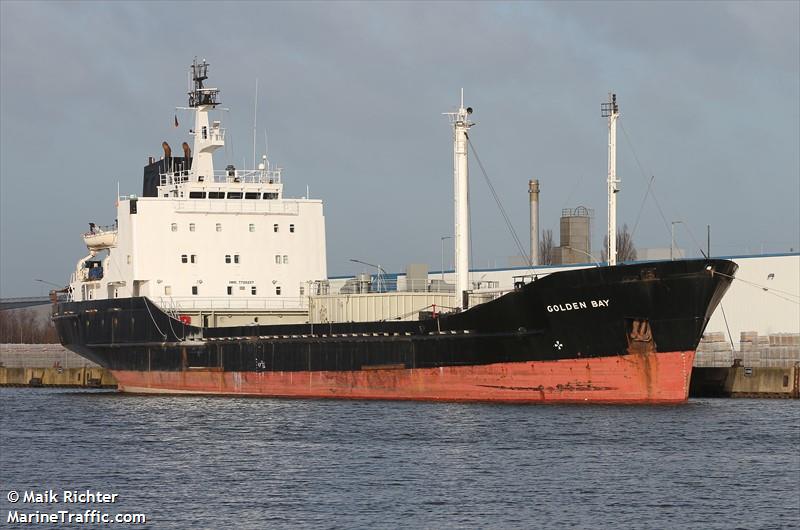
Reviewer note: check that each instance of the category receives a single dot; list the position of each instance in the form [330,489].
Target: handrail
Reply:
[231,302]
[237,176]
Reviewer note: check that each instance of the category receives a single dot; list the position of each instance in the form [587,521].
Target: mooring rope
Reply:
[163,335]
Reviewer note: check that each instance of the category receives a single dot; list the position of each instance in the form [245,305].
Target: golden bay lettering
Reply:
[572,306]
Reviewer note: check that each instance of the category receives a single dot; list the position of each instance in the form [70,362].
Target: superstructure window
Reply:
[227,258]
[271,195]
[219,227]
[252,227]
[291,228]
[236,258]
[278,290]
[285,259]
[174,227]
[194,289]
[191,227]
[184,258]
[277,259]
[302,290]
[193,258]
[275,227]
[234,194]
[230,290]
[168,290]
[197,195]
[216,194]
[253,290]
[251,195]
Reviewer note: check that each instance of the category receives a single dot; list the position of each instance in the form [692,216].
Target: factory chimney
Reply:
[533,193]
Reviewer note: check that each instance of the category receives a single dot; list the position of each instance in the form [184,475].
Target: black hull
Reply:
[587,313]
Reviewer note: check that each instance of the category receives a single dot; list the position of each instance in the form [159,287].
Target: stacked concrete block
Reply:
[777,350]
[40,356]
[714,351]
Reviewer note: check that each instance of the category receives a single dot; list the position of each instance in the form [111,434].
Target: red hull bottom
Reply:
[633,378]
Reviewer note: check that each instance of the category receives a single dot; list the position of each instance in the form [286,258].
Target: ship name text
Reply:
[572,306]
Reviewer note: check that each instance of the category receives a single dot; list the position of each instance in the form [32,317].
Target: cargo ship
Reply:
[204,286]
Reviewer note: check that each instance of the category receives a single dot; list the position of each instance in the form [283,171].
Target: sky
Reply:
[351,97]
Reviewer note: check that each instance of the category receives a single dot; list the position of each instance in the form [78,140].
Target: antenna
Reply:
[255,118]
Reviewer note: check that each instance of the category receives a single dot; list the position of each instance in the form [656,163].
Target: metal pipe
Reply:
[533,194]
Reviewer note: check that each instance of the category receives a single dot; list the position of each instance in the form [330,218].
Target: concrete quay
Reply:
[49,365]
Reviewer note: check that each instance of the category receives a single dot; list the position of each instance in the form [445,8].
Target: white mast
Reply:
[610,110]
[461,124]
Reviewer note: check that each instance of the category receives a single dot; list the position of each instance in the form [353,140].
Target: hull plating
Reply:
[632,378]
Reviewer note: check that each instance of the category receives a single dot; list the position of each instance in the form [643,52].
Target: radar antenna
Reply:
[198,94]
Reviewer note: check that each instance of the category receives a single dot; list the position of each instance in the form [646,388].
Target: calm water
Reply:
[259,463]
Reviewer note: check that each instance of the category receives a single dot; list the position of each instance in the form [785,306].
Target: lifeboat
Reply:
[100,238]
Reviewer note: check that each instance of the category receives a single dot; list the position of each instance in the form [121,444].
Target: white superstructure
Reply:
[201,240]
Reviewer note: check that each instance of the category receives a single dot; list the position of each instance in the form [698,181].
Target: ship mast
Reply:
[610,110]
[206,139]
[461,124]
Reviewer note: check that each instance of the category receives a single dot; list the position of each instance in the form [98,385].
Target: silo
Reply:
[576,235]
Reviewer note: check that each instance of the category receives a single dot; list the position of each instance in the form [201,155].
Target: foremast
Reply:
[610,110]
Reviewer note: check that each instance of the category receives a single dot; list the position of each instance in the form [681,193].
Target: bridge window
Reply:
[168,290]
[271,195]
[197,195]
[234,194]
[251,195]
[216,194]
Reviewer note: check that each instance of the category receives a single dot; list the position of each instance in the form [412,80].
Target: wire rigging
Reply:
[500,206]
[644,175]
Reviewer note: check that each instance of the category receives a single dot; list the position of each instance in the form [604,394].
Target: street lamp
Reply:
[48,283]
[381,272]
[672,242]
[442,269]
[583,252]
